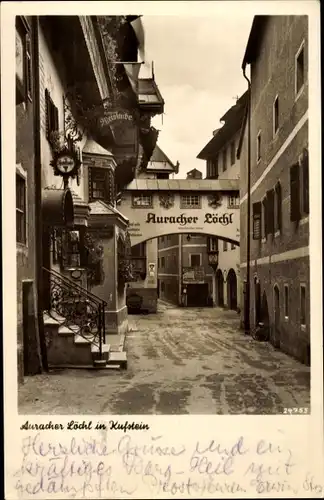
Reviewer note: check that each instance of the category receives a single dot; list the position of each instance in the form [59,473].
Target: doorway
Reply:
[257,299]
[232,289]
[197,295]
[276,337]
[220,288]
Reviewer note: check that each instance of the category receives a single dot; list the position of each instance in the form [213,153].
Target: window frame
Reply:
[232,153]
[142,195]
[24,87]
[212,244]
[185,205]
[257,216]
[224,159]
[51,116]
[22,174]
[224,246]
[301,49]
[274,129]
[195,254]
[236,199]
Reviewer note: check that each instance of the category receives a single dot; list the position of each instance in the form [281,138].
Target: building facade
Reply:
[142,293]
[83,128]
[222,163]
[278,273]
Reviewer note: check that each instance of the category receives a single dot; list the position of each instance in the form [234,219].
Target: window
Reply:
[234,201]
[305,181]
[23,61]
[142,200]
[264,225]
[195,259]
[225,246]
[162,286]
[162,262]
[300,69]
[52,117]
[190,201]
[270,212]
[212,168]
[162,239]
[256,211]
[294,193]
[278,213]
[259,147]
[276,115]
[233,246]
[21,235]
[224,160]
[286,301]
[233,153]
[303,305]
[97,177]
[212,244]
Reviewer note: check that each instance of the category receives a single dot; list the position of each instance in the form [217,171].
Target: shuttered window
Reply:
[305,177]
[257,212]
[270,212]
[264,218]
[294,193]
[278,209]
[52,116]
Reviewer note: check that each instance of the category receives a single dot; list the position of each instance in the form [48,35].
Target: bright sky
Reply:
[197,66]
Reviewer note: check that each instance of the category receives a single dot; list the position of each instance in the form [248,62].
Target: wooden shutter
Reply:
[28,67]
[257,212]
[270,212]
[294,193]
[48,113]
[305,174]
[278,207]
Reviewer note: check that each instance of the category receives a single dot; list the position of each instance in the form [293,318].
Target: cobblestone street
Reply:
[180,361]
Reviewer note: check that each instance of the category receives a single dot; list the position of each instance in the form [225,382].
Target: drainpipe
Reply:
[38,192]
[248,221]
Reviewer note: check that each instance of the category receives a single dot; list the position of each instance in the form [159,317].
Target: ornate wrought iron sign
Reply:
[66,163]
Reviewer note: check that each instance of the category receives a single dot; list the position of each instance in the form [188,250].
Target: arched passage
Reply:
[232,289]
[219,288]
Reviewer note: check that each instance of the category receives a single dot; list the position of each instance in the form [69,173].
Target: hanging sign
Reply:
[66,163]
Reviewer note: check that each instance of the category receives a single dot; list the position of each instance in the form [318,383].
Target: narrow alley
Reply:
[180,361]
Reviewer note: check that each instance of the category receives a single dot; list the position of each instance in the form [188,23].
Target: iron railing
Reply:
[72,305]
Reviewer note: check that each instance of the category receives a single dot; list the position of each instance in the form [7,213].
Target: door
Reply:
[276,337]
[232,289]
[257,291]
[220,288]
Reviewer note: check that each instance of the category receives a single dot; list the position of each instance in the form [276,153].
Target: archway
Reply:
[220,288]
[276,336]
[257,300]
[232,289]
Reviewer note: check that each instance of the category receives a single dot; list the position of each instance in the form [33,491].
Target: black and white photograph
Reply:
[163,221]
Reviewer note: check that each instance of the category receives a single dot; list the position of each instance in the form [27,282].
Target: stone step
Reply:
[68,330]
[84,338]
[118,358]
[83,367]
[52,318]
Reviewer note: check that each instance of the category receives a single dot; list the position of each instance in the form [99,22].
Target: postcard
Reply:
[162,273]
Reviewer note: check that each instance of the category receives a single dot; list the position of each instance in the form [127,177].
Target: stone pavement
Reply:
[180,361]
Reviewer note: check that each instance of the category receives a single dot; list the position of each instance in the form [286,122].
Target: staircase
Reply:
[74,327]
